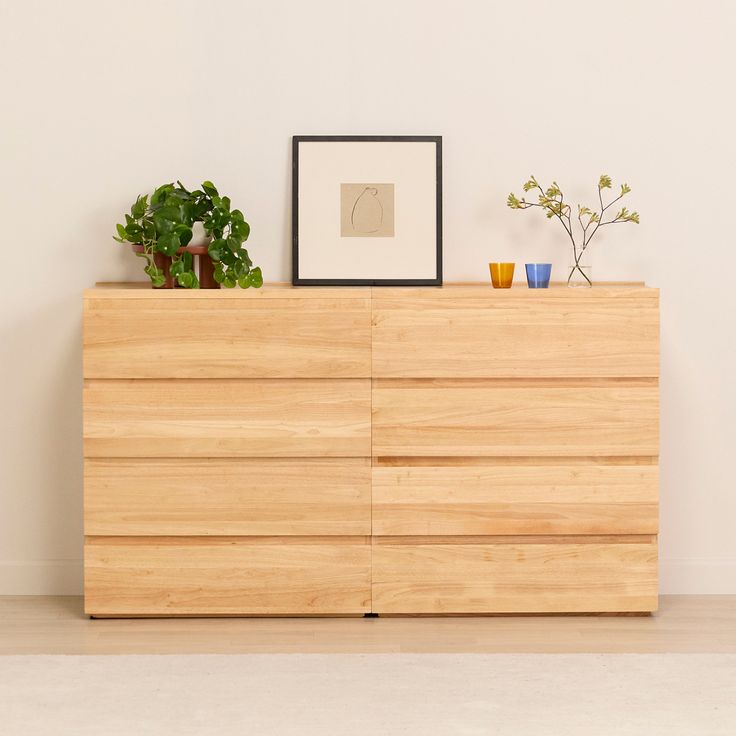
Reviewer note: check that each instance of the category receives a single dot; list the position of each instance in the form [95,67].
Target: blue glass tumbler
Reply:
[537,275]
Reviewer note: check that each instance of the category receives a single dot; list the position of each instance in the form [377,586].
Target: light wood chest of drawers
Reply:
[395,450]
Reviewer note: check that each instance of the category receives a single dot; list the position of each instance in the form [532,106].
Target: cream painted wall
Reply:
[102,100]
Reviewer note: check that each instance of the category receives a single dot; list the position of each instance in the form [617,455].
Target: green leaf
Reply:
[188,260]
[139,208]
[236,215]
[134,233]
[158,196]
[155,274]
[177,268]
[199,210]
[188,280]
[228,257]
[168,244]
[233,242]
[256,277]
[177,195]
[184,232]
[209,187]
[171,212]
[219,274]
[149,229]
[162,225]
[241,229]
[216,248]
[229,281]
[219,218]
[121,232]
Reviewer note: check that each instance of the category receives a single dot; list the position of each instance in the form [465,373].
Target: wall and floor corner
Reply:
[102,102]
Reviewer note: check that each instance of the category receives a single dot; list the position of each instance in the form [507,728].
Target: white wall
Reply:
[103,100]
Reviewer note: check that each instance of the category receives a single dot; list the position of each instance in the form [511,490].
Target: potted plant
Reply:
[160,229]
[552,202]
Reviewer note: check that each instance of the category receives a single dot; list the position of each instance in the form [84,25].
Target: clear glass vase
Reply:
[579,272]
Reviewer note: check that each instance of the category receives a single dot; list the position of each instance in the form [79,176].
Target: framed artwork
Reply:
[367,210]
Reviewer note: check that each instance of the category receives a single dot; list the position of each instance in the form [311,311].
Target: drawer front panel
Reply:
[508,421]
[160,497]
[239,576]
[220,418]
[487,577]
[227,338]
[515,499]
[508,336]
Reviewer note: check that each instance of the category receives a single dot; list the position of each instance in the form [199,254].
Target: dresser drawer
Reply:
[481,575]
[244,496]
[507,499]
[221,337]
[476,332]
[227,418]
[196,576]
[454,418]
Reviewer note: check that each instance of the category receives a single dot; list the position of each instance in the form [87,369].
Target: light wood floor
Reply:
[57,625]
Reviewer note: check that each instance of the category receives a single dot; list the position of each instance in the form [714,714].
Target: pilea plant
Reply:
[162,224]
[552,202]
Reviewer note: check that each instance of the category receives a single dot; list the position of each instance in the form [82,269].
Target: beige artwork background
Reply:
[367,210]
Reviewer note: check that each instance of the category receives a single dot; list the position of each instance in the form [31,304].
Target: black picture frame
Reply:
[296,141]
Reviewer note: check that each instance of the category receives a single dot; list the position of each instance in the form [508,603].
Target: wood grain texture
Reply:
[507,421]
[488,577]
[227,338]
[229,435]
[507,499]
[470,334]
[243,576]
[557,290]
[227,496]
[235,418]
[273,290]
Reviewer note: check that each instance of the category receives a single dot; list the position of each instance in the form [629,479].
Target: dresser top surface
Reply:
[143,290]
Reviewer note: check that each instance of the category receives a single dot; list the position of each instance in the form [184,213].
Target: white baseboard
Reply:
[64,577]
[41,577]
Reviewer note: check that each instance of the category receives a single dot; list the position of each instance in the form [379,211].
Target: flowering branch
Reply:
[552,202]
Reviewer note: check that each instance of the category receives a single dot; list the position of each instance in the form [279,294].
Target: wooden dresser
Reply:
[353,450]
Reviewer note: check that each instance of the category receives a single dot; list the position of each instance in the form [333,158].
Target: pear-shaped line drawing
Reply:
[367,213]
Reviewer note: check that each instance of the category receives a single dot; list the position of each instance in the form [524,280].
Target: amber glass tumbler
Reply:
[502,275]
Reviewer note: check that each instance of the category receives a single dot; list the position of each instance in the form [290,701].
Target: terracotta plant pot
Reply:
[205,266]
